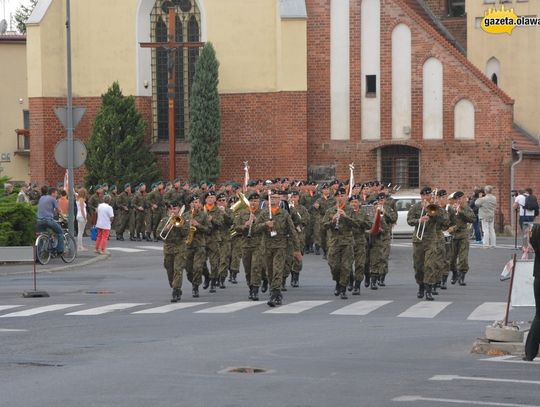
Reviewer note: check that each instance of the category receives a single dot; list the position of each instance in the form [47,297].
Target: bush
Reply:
[17,221]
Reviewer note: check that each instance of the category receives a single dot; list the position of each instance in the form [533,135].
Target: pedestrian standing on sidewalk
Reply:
[486,213]
[105,215]
[533,339]
[82,217]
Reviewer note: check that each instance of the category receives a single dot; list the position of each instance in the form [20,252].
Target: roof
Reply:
[525,142]
[292,9]
[12,38]
[414,10]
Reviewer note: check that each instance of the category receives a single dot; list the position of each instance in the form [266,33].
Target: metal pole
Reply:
[71,220]
[514,258]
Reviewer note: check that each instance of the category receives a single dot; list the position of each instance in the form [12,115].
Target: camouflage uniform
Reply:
[93,203]
[156,207]
[360,245]
[306,200]
[301,219]
[140,206]
[322,237]
[459,261]
[213,242]
[380,244]
[252,256]
[196,251]
[124,210]
[225,246]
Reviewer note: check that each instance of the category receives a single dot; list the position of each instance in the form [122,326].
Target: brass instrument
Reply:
[429,210]
[242,203]
[174,221]
[192,229]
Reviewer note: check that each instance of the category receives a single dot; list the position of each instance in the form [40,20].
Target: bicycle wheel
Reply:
[70,249]
[43,255]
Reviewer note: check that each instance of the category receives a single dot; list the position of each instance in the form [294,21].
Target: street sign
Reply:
[61,113]
[61,153]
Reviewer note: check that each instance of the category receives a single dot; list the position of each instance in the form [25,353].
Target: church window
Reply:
[456,8]
[400,165]
[493,70]
[494,79]
[464,120]
[371,85]
[187,28]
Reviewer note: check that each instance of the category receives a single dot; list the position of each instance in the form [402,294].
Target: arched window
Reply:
[464,120]
[493,70]
[400,165]
[187,28]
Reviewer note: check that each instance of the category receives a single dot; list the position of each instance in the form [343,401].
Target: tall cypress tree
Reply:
[116,149]
[205,123]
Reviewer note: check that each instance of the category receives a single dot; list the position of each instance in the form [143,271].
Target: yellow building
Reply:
[14,149]
[511,61]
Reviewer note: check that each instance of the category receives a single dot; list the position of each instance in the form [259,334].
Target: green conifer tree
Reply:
[205,123]
[116,149]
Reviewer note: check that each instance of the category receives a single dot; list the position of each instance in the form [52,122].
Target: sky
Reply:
[10,7]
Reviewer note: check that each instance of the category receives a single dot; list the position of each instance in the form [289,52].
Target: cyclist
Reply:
[47,210]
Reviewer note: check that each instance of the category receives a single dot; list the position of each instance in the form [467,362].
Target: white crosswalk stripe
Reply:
[157,248]
[125,250]
[360,308]
[39,310]
[169,308]
[488,311]
[228,308]
[296,307]
[424,309]
[107,308]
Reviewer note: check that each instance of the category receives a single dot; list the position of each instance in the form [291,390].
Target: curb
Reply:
[60,268]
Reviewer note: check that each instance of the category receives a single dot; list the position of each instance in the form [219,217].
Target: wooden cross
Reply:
[171,45]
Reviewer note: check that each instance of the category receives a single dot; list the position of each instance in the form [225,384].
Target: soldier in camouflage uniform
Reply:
[213,237]
[236,249]
[425,250]
[175,194]
[339,224]
[196,249]
[321,206]
[225,246]
[301,219]
[140,206]
[276,229]
[307,198]
[252,256]
[464,217]
[123,209]
[93,203]
[174,249]
[155,210]
[380,242]
[364,223]
[442,264]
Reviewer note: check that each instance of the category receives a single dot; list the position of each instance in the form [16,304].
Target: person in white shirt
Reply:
[524,214]
[486,213]
[105,215]
[82,217]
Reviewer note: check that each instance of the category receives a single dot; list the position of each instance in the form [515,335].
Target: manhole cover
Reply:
[245,370]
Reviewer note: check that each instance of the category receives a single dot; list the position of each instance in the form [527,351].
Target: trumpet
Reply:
[192,229]
[174,221]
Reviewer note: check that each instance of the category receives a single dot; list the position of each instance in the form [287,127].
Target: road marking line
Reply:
[39,310]
[107,308]
[488,311]
[510,359]
[228,308]
[13,330]
[456,401]
[296,307]
[424,309]
[6,307]
[445,378]
[125,250]
[169,308]
[360,308]
[159,248]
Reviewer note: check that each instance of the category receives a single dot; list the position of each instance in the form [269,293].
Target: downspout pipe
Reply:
[512,182]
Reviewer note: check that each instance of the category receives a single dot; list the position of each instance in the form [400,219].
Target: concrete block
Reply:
[485,347]
[504,334]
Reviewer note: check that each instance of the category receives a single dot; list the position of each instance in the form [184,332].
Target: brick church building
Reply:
[307,87]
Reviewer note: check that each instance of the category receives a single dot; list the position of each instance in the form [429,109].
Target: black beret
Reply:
[295,193]
[324,186]
[221,195]
[441,192]
[252,183]
[253,195]
[175,204]
[335,182]
[354,198]
[458,194]
[211,193]
[127,185]
[192,198]
[341,191]
[381,195]
[425,191]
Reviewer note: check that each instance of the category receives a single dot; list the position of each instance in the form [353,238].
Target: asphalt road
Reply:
[104,339]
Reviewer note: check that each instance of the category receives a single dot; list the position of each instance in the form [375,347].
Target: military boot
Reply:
[443,283]
[284,284]
[255,293]
[279,298]
[234,274]
[336,290]
[206,282]
[454,277]
[294,279]
[317,249]
[250,292]
[148,237]
[374,282]
[367,279]
[356,289]
[230,276]
[156,238]
[120,237]
[175,295]
[138,237]
[222,282]
[343,293]
[429,296]
[264,287]
[272,300]
[381,281]
[213,285]
[461,278]
[132,238]
[195,291]
[421,289]
[434,289]
[351,282]
[324,256]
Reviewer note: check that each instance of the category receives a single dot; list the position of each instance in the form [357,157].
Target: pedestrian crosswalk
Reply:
[487,311]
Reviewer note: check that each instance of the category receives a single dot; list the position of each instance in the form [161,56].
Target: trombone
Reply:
[430,210]
[174,221]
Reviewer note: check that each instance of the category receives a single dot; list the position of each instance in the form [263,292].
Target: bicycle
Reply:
[47,241]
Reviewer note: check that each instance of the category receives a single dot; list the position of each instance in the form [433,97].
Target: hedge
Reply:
[17,221]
